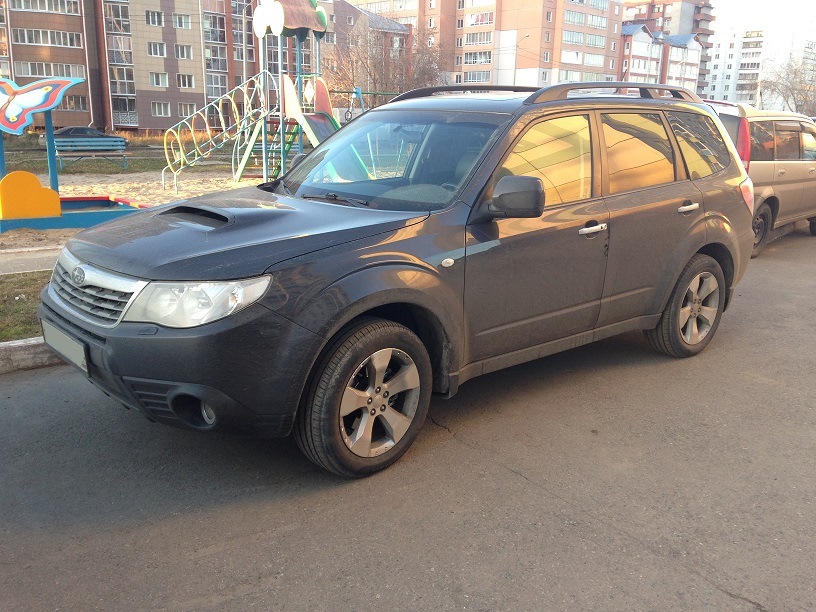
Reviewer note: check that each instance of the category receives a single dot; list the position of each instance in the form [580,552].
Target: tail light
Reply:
[747,190]
[744,142]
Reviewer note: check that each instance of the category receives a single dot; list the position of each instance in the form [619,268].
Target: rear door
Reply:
[656,213]
[790,170]
[809,161]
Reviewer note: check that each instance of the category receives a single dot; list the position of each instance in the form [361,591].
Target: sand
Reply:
[143,188]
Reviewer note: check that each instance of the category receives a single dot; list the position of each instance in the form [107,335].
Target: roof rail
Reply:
[647,90]
[429,91]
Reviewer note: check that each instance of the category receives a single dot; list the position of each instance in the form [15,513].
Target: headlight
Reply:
[191,304]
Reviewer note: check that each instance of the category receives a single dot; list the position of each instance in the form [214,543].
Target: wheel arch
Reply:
[720,253]
[773,204]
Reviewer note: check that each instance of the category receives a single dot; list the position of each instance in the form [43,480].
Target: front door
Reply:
[529,281]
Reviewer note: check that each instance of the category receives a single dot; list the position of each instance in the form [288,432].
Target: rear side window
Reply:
[809,144]
[638,151]
[787,142]
[701,144]
[559,152]
[762,141]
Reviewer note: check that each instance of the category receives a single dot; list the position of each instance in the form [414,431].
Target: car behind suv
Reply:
[779,151]
[439,237]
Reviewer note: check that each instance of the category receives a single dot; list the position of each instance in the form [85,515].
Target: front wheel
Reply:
[763,220]
[694,310]
[368,400]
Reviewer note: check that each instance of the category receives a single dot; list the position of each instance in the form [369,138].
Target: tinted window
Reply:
[787,143]
[638,150]
[558,152]
[809,144]
[701,144]
[762,141]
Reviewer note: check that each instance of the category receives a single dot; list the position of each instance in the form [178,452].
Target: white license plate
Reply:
[70,349]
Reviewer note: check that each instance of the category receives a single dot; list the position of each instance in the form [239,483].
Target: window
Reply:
[121,80]
[480,19]
[156,49]
[596,21]
[574,18]
[74,103]
[185,109]
[638,151]
[46,38]
[216,85]
[158,79]
[63,7]
[614,46]
[184,51]
[479,38]
[703,149]
[215,28]
[160,109]
[155,18]
[547,36]
[477,76]
[185,81]
[549,16]
[809,145]
[559,152]
[431,23]
[545,57]
[349,20]
[181,22]
[458,79]
[458,41]
[117,18]
[573,38]
[44,69]
[595,40]
[216,57]
[479,57]
[329,38]
[787,141]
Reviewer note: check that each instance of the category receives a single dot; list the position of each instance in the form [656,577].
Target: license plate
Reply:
[62,343]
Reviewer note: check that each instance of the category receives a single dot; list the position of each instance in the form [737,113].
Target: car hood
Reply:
[227,235]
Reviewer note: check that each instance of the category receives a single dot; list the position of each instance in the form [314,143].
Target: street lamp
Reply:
[515,57]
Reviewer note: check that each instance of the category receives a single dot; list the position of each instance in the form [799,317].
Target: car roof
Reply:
[750,112]
[511,99]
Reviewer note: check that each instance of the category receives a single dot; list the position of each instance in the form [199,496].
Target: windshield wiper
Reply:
[333,197]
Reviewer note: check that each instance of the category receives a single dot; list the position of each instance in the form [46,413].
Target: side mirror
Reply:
[517,197]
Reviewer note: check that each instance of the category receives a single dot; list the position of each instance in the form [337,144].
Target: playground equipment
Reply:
[265,114]
[24,202]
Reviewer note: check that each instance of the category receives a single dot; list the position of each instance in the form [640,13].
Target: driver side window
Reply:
[559,152]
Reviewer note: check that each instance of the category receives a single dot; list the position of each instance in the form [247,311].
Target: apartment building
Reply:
[146,64]
[52,38]
[678,18]
[654,57]
[506,42]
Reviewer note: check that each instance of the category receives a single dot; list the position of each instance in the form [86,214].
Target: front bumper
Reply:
[249,368]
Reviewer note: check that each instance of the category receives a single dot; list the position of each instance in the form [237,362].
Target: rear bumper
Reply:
[248,368]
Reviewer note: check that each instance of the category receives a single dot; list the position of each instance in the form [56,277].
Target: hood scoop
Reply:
[198,215]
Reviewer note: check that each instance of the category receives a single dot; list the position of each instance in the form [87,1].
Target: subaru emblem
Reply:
[78,276]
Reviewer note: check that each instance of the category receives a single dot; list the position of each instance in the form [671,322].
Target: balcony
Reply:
[703,31]
[126,118]
[704,71]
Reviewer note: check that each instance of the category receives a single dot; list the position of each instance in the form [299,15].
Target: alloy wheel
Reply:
[700,307]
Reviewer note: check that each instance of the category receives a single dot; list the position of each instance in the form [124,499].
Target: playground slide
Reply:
[316,126]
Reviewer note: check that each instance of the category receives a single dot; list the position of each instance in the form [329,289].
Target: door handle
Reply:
[586,231]
[688,207]
[812,171]
[782,172]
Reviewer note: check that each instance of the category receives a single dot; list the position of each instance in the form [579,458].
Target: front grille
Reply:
[101,305]
[100,297]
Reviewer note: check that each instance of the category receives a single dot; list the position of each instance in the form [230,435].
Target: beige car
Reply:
[779,151]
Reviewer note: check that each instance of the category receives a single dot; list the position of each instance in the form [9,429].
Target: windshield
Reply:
[396,160]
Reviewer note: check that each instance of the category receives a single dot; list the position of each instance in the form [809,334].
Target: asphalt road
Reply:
[607,478]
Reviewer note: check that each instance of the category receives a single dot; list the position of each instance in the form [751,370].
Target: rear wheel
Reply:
[694,310]
[368,401]
[763,220]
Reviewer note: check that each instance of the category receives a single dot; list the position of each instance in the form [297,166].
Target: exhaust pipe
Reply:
[208,415]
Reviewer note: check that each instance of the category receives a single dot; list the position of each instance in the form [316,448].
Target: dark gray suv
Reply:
[442,236]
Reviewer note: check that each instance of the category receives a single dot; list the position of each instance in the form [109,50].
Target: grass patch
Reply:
[19,296]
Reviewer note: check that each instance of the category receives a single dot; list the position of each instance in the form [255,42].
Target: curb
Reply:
[26,355]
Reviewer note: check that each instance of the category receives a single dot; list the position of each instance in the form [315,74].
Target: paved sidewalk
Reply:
[31,352]
[28,260]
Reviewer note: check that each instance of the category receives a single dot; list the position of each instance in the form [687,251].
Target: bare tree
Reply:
[794,82]
[382,62]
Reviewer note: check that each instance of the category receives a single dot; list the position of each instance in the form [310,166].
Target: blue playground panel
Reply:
[76,212]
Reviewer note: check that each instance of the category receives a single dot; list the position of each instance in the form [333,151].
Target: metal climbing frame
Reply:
[232,119]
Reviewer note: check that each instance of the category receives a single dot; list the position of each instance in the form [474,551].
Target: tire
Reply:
[694,310]
[812,226]
[379,424]
[763,221]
